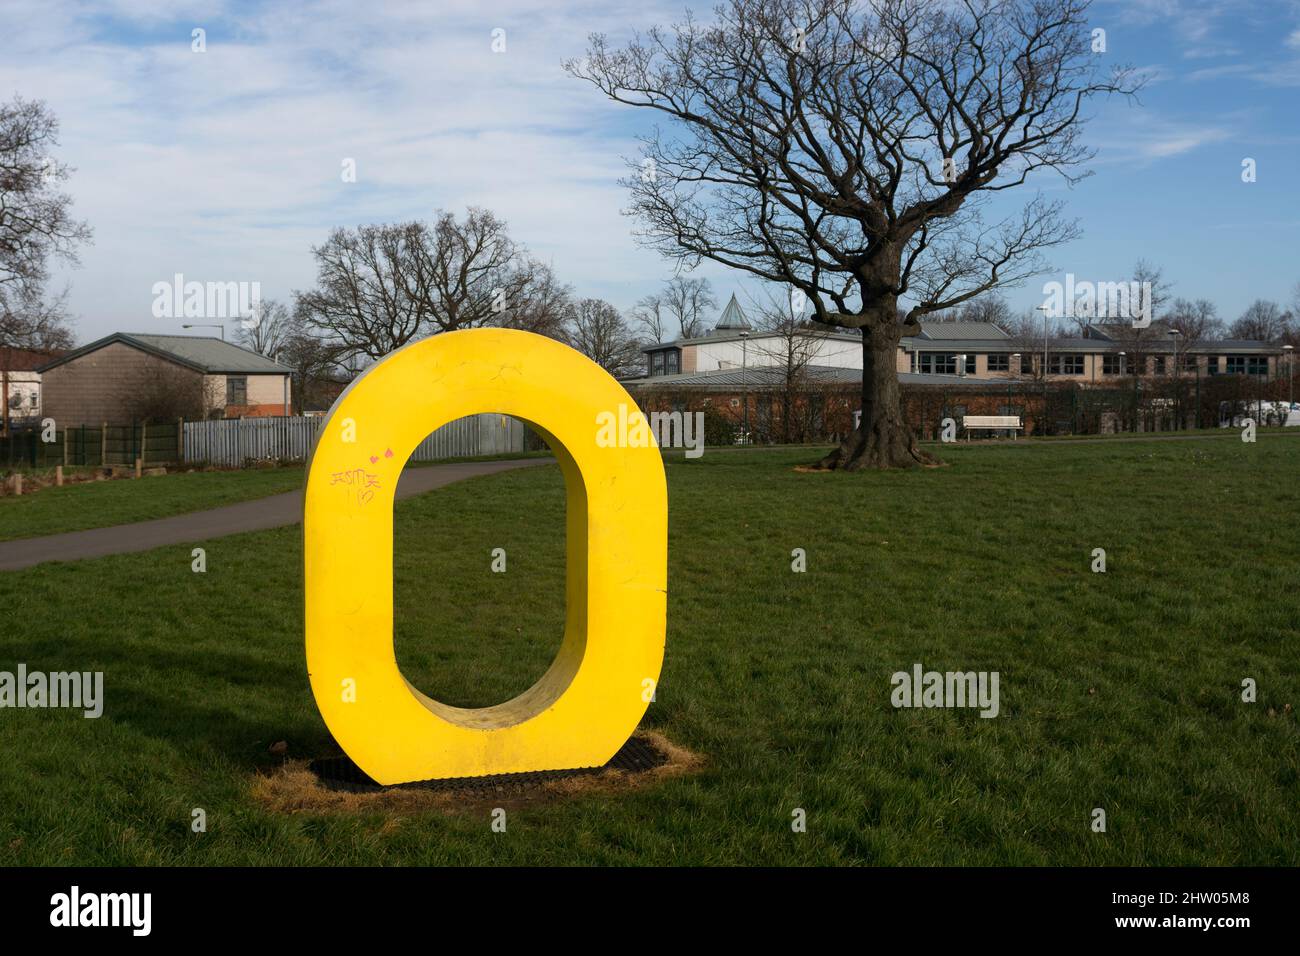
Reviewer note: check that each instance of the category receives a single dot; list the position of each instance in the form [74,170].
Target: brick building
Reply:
[807,386]
[128,376]
[20,384]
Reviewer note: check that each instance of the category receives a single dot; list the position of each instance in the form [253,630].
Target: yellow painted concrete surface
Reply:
[596,691]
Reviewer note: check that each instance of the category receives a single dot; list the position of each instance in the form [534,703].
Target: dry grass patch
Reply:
[295,788]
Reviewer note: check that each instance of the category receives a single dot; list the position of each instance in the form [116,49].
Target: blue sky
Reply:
[224,166]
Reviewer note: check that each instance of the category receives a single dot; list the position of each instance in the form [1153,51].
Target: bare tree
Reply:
[32,319]
[164,392]
[688,303]
[35,226]
[364,300]
[540,303]
[1195,321]
[787,341]
[848,147]
[992,309]
[1155,289]
[598,331]
[1030,336]
[473,274]
[652,315]
[1140,340]
[381,286]
[1291,336]
[317,367]
[267,328]
[1263,320]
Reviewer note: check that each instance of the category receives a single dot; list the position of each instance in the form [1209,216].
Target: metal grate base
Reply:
[339,773]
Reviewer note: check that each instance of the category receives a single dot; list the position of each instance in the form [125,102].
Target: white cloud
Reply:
[225,165]
[1143,136]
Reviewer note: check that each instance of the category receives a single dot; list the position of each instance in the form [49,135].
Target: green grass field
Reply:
[101,504]
[1119,690]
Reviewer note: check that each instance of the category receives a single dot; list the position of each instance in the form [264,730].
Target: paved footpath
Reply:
[275,511]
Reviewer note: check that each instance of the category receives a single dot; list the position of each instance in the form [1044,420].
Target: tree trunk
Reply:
[882,439]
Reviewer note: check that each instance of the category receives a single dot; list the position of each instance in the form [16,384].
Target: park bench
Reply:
[994,422]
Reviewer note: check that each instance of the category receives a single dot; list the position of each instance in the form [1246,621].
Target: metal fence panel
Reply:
[233,442]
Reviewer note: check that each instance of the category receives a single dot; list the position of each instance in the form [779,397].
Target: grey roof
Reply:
[1114,331]
[914,344]
[988,337]
[203,353]
[752,335]
[1077,344]
[1163,344]
[760,376]
[964,331]
[1096,345]
[767,376]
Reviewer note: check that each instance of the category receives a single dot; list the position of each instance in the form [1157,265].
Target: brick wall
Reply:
[100,386]
[265,395]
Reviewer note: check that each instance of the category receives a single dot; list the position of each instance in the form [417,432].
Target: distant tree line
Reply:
[1196,320]
[380,287]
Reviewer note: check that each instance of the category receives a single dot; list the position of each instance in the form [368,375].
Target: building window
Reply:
[1000,362]
[1236,365]
[1112,365]
[1159,363]
[1067,364]
[970,364]
[1257,365]
[657,363]
[236,390]
[939,363]
[1189,363]
[1212,365]
[673,362]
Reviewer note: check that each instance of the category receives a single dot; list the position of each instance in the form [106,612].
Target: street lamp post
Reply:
[1015,357]
[1290,374]
[1198,394]
[1173,334]
[1259,397]
[744,387]
[1043,309]
[1123,364]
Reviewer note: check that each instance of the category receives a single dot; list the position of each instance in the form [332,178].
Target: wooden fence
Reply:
[236,442]
[152,442]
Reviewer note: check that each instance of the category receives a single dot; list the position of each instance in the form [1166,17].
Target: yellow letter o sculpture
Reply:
[590,700]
